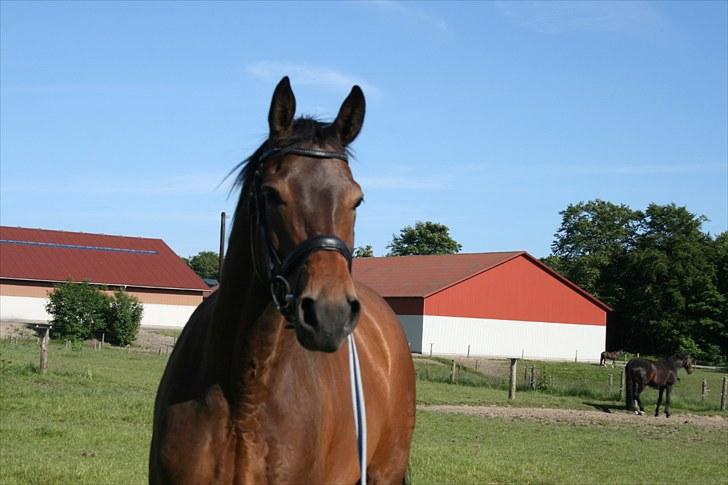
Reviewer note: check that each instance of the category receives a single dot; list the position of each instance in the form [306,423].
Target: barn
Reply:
[505,304]
[34,261]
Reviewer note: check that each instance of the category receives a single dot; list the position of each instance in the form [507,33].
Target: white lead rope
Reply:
[357,402]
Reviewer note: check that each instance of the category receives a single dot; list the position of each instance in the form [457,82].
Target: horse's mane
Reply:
[305,129]
[683,356]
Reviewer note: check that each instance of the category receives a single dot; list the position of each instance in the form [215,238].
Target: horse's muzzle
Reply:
[324,324]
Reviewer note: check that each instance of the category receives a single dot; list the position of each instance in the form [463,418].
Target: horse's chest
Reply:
[204,443]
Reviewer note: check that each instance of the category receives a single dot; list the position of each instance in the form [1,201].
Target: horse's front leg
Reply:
[638,391]
[667,401]
[659,401]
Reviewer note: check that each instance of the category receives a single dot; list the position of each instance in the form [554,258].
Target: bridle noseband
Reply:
[278,271]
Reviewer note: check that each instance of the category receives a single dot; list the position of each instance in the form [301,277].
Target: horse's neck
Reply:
[675,364]
[241,300]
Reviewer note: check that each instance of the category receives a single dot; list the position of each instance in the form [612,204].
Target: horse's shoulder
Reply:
[195,437]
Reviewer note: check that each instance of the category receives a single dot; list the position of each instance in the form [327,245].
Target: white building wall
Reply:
[512,338]
[30,309]
[23,309]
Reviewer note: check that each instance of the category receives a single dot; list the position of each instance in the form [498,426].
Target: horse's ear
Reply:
[350,119]
[282,109]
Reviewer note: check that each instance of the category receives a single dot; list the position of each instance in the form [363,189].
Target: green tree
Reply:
[205,263]
[364,251]
[123,317]
[424,238]
[78,310]
[657,269]
[674,299]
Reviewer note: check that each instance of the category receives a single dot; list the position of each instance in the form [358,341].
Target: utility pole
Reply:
[222,244]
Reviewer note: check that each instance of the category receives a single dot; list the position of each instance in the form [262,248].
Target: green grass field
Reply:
[559,384]
[88,421]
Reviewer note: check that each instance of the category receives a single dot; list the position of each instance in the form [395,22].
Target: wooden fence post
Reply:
[533,378]
[704,390]
[430,350]
[610,383]
[621,386]
[512,387]
[453,372]
[468,351]
[724,394]
[103,340]
[576,356]
[44,351]
[476,365]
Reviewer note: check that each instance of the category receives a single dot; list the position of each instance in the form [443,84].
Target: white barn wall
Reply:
[512,338]
[173,316]
[23,309]
[31,309]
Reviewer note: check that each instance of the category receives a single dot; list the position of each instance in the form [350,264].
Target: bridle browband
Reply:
[278,271]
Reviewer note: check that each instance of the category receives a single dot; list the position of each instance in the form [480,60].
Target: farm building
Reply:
[33,261]
[489,304]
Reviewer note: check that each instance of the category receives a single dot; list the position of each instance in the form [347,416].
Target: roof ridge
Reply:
[514,254]
[39,229]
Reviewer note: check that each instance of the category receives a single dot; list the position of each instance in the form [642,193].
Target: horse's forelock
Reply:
[304,130]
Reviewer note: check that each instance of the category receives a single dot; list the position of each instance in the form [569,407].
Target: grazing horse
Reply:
[257,389]
[613,356]
[661,374]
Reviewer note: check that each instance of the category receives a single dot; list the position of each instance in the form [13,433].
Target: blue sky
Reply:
[487,117]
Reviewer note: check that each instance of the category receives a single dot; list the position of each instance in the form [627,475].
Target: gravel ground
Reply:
[581,417]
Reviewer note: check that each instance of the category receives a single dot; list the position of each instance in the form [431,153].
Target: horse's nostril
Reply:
[308,305]
[355,308]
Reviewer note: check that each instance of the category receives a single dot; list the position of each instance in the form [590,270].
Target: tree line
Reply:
[665,278]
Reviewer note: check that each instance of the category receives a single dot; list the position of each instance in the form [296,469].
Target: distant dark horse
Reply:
[661,374]
[257,389]
[613,356]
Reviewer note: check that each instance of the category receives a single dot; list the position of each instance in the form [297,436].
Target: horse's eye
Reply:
[358,203]
[272,196]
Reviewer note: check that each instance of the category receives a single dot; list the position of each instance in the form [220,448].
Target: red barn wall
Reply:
[516,290]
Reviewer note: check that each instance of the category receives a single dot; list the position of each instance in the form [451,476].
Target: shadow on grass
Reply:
[607,407]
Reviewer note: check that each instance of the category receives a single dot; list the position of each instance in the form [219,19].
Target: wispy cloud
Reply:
[310,75]
[410,13]
[583,16]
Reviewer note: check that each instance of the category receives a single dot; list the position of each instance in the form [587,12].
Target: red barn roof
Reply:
[423,276]
[54,256]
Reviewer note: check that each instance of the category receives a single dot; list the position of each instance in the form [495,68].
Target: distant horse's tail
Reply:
[629,391]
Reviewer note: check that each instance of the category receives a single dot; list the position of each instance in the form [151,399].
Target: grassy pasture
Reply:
[89,421]
[559,384]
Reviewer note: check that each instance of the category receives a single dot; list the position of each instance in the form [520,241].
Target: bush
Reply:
[124,316]
[79,310]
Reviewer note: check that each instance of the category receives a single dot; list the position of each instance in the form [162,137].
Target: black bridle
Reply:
[278,271]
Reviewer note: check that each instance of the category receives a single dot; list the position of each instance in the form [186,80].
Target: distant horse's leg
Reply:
[659,401]
[667,401]
[638,391]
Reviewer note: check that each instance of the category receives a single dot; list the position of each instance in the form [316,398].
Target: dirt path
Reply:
[581,417]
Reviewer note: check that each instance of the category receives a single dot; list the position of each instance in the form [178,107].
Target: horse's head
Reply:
[686,361]
[303,199]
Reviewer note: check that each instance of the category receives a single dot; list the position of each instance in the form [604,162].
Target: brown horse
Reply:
[607,355]
[661,374]
[257,389]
